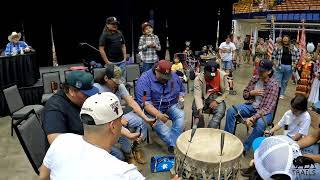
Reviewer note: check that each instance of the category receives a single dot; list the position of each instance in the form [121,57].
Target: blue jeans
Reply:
[122,66]
[134,122]
[282,74]
[116,152]
[146,66]
[170,135]
[246,111]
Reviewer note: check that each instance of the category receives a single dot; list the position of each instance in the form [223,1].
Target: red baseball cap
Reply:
[164,68]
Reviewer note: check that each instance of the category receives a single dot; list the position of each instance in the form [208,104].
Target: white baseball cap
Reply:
[275,156]
[101,108]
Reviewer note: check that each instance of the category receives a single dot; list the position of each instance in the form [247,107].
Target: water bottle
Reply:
[21,51]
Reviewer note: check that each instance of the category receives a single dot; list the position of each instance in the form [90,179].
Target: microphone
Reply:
[194,128]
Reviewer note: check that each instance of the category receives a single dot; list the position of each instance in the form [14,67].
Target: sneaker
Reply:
[247,172]
[281,96]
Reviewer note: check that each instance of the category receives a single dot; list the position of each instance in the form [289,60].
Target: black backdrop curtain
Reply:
[83,22]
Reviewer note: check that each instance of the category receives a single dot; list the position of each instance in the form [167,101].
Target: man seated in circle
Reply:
[210,90]
[261,95]
[163,89]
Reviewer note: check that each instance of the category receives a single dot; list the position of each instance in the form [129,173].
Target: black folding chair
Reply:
[32,139]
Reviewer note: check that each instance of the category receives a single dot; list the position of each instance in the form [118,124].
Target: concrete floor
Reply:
[14,164]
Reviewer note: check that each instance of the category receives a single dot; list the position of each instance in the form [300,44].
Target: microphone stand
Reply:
[89,46]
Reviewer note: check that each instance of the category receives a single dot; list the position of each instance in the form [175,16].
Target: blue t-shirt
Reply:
[60,115]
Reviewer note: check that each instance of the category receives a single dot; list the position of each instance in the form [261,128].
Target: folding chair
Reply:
[66,73]
[98,73]
[47,79]
[133,73]
[273,115]
[32,139]
[16,107]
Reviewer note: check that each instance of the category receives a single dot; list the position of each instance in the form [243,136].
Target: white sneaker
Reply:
[281,96]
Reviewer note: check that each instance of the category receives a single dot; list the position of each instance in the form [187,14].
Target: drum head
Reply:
[205,146]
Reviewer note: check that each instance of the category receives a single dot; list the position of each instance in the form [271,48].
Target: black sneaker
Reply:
[171,149]
[247,172]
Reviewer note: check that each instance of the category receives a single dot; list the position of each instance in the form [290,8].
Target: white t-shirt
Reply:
[227,49]
[296,124]
[70,157]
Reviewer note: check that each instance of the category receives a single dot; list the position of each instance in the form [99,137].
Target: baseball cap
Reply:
[210,68]
[112,20]
[114,72]
[145,24]
[275,155]
[265,65]
[101,108]
[82,81]
[164,68]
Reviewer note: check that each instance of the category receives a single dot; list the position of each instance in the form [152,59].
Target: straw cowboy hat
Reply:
[13,34]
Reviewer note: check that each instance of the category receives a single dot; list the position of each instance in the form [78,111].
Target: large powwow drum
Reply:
[203,157]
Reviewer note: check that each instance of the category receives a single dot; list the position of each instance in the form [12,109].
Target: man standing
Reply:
[261,94]
[239,46]
[246,49]
[112,45]
[210,91]
[227,53]
[162,90]
[149,44]
[284,59]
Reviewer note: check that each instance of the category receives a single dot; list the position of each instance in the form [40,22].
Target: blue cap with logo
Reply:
[82,81]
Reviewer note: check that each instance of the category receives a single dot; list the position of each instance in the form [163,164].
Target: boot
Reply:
[130,160]
[138,154]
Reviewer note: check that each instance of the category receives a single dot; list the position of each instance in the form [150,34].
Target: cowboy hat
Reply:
[13,34]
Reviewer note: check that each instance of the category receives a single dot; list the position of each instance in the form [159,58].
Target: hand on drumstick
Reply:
[176,177]
[162,117]
[249,122]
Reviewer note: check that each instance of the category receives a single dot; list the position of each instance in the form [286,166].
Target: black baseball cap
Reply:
[112,20]
[265,65]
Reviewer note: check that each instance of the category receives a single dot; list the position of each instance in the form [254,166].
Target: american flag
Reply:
[270,47]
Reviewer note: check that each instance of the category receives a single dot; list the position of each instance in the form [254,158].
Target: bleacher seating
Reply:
[246,6]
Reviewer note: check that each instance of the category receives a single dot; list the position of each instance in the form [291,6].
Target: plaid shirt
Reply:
[269,99]
[10,47]
[149,55]
[277,55]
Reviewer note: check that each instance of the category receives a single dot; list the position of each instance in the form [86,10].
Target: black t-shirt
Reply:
[112,43]
[286,56]
[60,115]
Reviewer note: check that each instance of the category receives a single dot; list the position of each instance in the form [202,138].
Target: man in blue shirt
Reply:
[15,46]
[163,90]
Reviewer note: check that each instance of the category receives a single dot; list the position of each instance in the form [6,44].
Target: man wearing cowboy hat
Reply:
[149,44]
[15,46]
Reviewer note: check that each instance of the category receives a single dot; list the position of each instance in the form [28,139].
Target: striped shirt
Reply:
[148,54]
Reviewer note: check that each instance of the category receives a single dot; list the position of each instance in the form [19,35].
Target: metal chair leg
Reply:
[11,126]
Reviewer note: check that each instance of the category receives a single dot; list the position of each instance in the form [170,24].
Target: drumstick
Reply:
[194,128]
[221,149]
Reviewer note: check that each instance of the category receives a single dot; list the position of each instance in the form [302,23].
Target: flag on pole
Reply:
[270,47]
[218,29]
[302,47]
[54,55]
[298,35]
[280,34]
